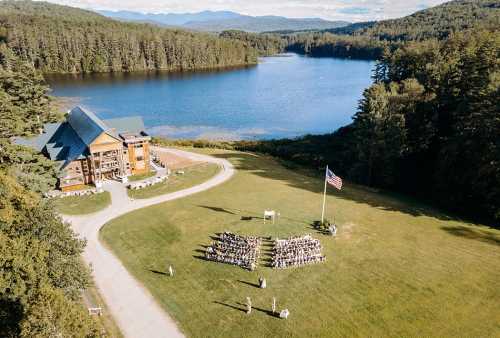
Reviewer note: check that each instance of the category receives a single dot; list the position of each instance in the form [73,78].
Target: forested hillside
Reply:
[265,44]
[437,22]
[63,39]
[341,46]
[368,40]
[429,126]
[41,272]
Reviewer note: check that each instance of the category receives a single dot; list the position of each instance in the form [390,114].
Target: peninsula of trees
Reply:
[429,126]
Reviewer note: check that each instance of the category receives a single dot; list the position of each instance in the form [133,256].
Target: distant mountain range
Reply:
[216,21]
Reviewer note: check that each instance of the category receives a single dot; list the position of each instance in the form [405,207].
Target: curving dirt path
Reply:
[131,305]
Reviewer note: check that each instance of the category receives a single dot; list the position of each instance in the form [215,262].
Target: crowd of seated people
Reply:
[296,251]
[235,249]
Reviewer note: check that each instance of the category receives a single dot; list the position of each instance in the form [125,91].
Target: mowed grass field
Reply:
[81,205]
[192,176]
[396,269]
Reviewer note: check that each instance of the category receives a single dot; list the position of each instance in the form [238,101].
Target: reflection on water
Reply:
[82,80]
[281,97]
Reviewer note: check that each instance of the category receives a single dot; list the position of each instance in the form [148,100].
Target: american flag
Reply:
[333,180]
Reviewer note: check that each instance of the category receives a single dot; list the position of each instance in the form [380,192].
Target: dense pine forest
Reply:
[41,273]
[433,23]
[68,40]
[369,40]
[340,46]
[266,44]
[429,126]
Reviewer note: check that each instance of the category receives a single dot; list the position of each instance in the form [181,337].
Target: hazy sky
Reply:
[351,10]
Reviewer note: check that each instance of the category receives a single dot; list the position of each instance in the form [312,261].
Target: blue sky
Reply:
[351,10]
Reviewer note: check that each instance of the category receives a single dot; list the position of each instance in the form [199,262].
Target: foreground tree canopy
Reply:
[41,273]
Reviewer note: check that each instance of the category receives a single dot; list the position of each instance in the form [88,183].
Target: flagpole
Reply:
[324,198]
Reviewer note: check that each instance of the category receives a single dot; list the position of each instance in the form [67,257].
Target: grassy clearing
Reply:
[81,205]
[397,267]
[139,177]
[192,176]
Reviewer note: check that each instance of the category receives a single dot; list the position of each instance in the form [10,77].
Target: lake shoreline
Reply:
[51,75]
[284,96]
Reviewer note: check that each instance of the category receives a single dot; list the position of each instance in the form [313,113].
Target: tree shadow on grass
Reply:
[231,306]
[312,181]
[267,312]
[217,209]
[250,215]
[245,214]
[203,258]
[475,234]
[315,227]
[249,283]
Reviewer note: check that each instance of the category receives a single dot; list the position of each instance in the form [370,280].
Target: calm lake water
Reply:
[283,96]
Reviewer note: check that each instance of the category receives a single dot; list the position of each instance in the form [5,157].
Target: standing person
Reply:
[274,305]
[249,305]
[170,271]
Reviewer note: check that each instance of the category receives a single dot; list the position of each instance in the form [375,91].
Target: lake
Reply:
[283,96]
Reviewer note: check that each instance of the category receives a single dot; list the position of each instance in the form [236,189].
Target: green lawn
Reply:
[139,177]
[396,269]
[192,176]
[80,205]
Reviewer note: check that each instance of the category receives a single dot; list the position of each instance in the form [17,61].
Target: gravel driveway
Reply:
[131,305]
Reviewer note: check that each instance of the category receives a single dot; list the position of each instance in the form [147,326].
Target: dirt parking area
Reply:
[175,162]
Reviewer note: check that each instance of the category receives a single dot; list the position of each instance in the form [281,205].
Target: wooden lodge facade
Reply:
[90,150]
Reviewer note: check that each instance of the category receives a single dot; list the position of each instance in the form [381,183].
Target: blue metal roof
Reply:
[86,124]
[65,145]
[133,124]
[39,141]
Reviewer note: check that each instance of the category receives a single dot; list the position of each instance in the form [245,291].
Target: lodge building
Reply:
[89,150]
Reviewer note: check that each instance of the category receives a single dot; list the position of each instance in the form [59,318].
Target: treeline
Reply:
[266,44]
[340,46]
[68,40]
[41,272]
[313,44]
[429,126]
[438,22]
[368,40]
